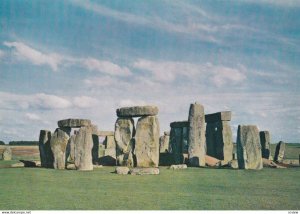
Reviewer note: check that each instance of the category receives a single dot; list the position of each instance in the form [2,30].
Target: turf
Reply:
[190,189]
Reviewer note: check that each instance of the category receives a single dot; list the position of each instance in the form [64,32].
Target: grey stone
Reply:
[122,170]
[111,152]
[219,140]
[196,140]
[144,171]
[74,123]
[17,165]
[167,133]
[46,155]
[83,149]
[164,144]
[248,147]
[106,133]
[72,147]
[58,143]
[124,131]
[179,124]
[279,152]
[137,111]
[265,141]
[233,164]
[7,153]
[219,116]
[109,142]
[147,142]
[97,166]
[95,149]
[211,161]
[292,162]
[271,164]
[179,166]
[71,166]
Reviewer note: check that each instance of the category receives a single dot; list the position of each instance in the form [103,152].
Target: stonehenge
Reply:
[219,135]
[7,154]
[164,143]
[58,143]
[109,144]
[46,154]
[265,141]
[279,152]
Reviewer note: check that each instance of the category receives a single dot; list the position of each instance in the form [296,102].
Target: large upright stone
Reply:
[46,154]
[147,142]
[73,123]
[95,149]
[7,153]
[248,147]
[219,135]
[164,143]
[137,111]
[83,149]
[279,152]
[265,141]
[72,146]
[110,148]
[197,144]
[124,131]
[106,133]
[59,141]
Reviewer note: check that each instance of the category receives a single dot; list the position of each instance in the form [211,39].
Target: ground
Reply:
[190,189]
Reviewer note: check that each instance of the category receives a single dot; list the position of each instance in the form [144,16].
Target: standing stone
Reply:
[95,149]
[124,131]
[46,154]
[164,143]
[248,147]
[7,153]
[83,148]
[219,135]
[279,152]
[110,146]
[265,141]
[197,144]
[147,142]
[72,146]
[58,143]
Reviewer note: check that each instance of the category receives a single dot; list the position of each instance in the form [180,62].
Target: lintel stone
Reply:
[219,116]
[73,123]
[179,124]
[137,111]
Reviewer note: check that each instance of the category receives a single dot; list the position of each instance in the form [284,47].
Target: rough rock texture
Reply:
[147,142]
[137,111]
[106,133]
[122,170]
[7,153]
[292,162]
[58,143]
[109,142]
[17,165]
[95,149]
[164,143]
[71,166]
[179,124]
[110,151]
[144,171]
[233,164]
[211,161]
[179,166]
[167,133]
[219,140]
[72,147]
[265,141]
[176,145]
[196,140]
[279,152]
[73,123]
[46,155]
[83,149]
[219,116]
[124,131]
[248,147]
[271,164]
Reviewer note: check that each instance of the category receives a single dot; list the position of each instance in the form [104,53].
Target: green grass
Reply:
[292,150]
[191,189]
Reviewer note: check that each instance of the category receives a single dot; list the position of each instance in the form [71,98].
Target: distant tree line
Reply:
[23,143]
[2,143]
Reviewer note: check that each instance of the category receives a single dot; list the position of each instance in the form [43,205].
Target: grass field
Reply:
[190,189]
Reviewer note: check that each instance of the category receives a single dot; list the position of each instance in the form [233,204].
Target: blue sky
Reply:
[84,59]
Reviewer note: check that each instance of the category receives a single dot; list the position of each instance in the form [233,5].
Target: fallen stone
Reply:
[83,149]
[219,116]
[106,133]
[144,171]
[271,164]
[74,123]
[137,111]
[17,165]
[28,163]
[97,166]
[46,155]
[196,140]
[265,141]
[7,153]
[292,162]
[124,132]
[71,166]
[58,143]
[179,166]
[211,161]
[179,124]
[147,142]
[249,147]
[233,164]
[279,152]
[122,170]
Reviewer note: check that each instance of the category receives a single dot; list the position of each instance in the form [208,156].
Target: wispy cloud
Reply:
[32,116]
[279,3]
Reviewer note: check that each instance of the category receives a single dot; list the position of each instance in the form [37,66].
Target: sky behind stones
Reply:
[84,59]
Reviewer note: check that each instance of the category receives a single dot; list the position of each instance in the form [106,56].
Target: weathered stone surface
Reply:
[196,140]
[233,164]
[97,166]
[106,133]
[179,124]
[124,131]
[109,142]
[110,152]
[271,164]
[167,133]
[58,143]
[279,152]
[137,111]
[185,139]
[144,171]
[248,147]
[71,166]
[74,123]
[122,170]
[46,155]
[164,143]
[7,153]
[17,165]
[265,141]
[176,145]
[95,149]
[179,166]
[211,161]
[219,140]
[292,162]
[147,142]
[72,147]
[31,163]
[83,149]
[219,116]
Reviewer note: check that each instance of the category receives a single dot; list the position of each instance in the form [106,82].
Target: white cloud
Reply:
[279,3]
[32,116]
[85,102]
[36,57]
[1,54]
[129,102]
